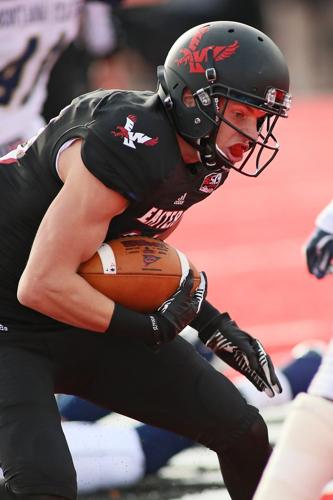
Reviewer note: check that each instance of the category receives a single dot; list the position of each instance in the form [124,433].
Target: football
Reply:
[138,272]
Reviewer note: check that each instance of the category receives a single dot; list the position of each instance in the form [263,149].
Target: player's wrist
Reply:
[150,328]
[218,324]
[128,323]
[208,314]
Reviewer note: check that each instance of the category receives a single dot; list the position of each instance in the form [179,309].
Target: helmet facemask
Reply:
[264,146]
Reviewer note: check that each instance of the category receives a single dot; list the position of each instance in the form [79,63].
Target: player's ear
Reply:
[188,98]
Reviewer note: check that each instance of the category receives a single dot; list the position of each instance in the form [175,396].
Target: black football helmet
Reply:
[231,60]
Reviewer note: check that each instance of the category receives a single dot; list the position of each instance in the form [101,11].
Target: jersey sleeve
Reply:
[126,143]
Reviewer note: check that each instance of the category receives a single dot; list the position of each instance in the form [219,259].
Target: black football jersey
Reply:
[130,145]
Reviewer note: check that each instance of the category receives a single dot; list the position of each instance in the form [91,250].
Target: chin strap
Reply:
[208,155]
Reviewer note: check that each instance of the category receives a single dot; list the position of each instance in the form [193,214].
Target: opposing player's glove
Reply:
[162,326]
[237,348]
[319,253]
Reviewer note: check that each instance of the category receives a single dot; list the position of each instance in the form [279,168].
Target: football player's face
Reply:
[231,142]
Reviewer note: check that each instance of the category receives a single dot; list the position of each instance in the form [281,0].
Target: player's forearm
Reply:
[70,300]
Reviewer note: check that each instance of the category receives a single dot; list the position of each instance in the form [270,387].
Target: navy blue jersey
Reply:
[130,145]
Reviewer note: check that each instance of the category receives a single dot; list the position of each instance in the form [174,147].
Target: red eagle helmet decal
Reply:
[195,57]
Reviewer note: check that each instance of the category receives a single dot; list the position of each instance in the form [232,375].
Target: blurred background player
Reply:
[302,462]
[319,249]
[33,35]
[130,60]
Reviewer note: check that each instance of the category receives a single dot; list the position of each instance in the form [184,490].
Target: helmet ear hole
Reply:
[188,99]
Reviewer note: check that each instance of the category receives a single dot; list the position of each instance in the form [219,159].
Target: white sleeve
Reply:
[324,219]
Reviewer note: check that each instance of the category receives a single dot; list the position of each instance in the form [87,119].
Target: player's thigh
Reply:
[174,388]
[33,454]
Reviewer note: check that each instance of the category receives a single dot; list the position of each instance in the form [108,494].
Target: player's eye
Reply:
[239,114]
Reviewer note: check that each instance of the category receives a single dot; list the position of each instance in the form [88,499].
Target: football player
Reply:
[301,464]
[33,35]
[116,163]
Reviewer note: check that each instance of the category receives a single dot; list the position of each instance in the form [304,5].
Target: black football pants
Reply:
[174,388]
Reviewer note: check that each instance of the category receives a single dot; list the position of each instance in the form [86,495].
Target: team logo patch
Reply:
[129,137]
[211,182]
[196,58]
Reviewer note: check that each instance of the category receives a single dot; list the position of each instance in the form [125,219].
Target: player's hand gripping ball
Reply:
[138,272]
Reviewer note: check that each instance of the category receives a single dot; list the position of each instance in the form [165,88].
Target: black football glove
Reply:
[162,326]
[319,253]
[237,348]
[181,308]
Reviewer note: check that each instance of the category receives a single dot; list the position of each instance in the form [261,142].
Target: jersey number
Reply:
[11,74]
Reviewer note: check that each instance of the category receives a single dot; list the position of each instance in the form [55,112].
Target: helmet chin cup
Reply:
[230,60]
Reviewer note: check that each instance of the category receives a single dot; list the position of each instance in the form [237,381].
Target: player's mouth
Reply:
[236,151]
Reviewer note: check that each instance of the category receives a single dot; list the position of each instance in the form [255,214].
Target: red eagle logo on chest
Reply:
[196,58]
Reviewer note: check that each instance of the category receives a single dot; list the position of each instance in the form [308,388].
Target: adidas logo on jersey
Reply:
[180,200]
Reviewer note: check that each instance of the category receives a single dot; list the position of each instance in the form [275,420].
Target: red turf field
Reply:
[248,235]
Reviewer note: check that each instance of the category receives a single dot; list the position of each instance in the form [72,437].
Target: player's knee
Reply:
[231,424]
[248,435]
[245,458]
[255,437]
